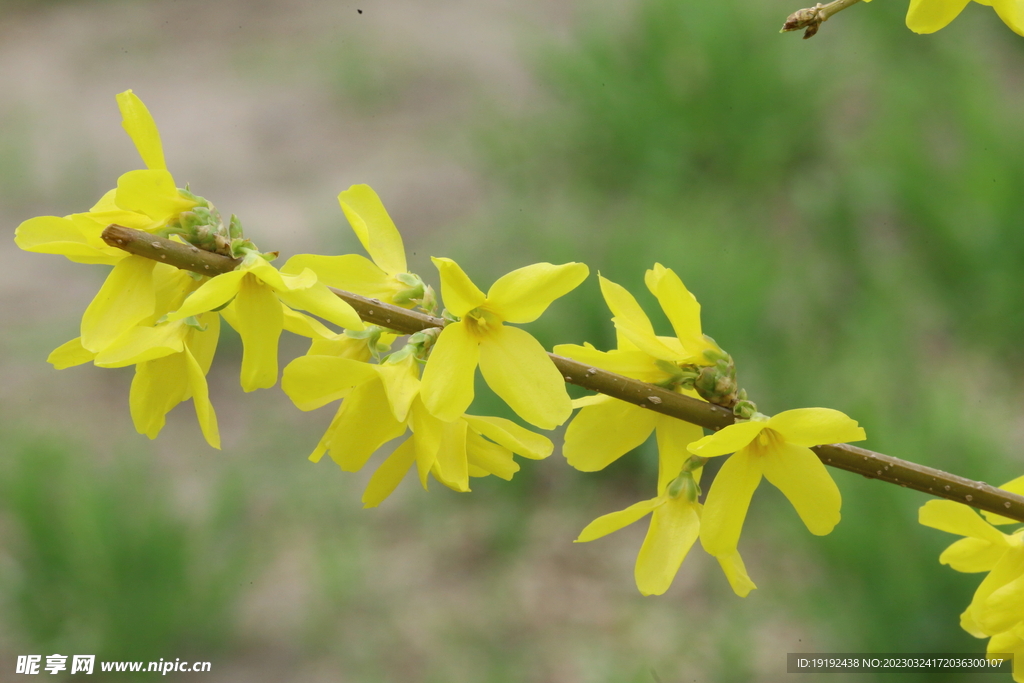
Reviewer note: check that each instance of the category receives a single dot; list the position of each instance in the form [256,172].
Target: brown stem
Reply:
[843,456]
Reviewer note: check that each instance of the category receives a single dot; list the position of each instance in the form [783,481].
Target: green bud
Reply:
[448,317]
[193,322]
[744,409]
[428,302]
[409,279]
[717,384]
[684,485]
[187,194]
[235,227]
[239,247]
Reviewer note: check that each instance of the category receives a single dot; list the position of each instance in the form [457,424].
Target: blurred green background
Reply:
[847,209]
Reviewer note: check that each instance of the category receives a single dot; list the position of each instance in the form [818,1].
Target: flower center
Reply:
[481,322]
[765,442]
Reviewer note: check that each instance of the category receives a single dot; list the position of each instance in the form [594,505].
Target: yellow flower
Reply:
[385,277]
[255,291]
[171,358]
[454,451]
[675,522]
[928,16]
[144,199]
[379,403]
[607,428]
[512,362]
[633,327]
[779,449]
[998,603]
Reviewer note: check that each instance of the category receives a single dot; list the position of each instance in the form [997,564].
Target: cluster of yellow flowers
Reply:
[997,609]
[166,322]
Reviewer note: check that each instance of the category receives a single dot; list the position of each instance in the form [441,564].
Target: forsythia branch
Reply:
[843,456]
[811,18]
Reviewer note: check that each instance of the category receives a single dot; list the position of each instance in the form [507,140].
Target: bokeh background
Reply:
[847,209]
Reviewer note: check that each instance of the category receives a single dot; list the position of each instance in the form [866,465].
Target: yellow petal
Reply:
[507,433]
[450,461]
[727,440]
[259,323]
[458,292]
[320,301]
[140,344]
[816,426]
[314,381]
[955,518]
[999,601]
[657,347]
[489,458]
[363,425]
[736,573]
[427,430]
[66,236]
[153,193]
[157,387]
[69,354]
[139,125]
[201,400]
[374,227]
[107,202]
[306,326]
[351,272]
[606,524]
[516,367]
[128,219]
[401,383]
[1011,642]
[524,294]
[928,16]
[280,282]
[125,299]
[673,438]
[213,293]
[674,528]
[447,382]
[968,624]
[727,503]
[601,434]
[624,306]
[803,479]
[972,555]
[594,400]
[171,286]
[390,473]
[1012,14]
[203,345]
[679,305]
